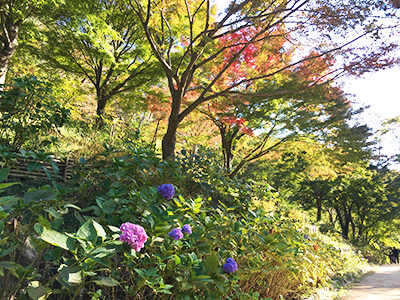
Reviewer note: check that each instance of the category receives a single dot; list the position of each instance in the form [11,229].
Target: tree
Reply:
[184,43]
[102,42]
[13,14]
[361,202]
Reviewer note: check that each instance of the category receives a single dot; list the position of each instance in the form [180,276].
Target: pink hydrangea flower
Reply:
[134,235]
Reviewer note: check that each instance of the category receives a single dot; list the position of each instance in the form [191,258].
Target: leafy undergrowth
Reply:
[66,241]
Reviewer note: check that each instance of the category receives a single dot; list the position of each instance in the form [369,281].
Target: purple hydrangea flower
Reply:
[187,229]
[230,266]
[176,234]
[134,235]
[167,191]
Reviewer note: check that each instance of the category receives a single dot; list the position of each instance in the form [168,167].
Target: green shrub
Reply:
[28,113]
[75,234]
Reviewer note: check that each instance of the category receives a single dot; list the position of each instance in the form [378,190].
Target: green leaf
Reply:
[33,166]
[177,260]
[6,200]
[3,215]
[212,263]
[38,195]
[8,264]
[51,211]
[38,244]
[100,230]
[101,259]
[58,239]
[8,250]
[88,232]
[47,172]
[71,275]
[140,272]
[38,292]
[113,228]
[18,271]
[4,173]
[55,167]
[72,206]
[44,222]
[107,281]
[6,185]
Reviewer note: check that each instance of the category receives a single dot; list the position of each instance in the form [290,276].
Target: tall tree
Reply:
[184,42]
[13,14]
[103,43]
[361,202]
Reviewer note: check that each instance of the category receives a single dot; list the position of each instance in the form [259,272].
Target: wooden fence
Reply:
[19,168]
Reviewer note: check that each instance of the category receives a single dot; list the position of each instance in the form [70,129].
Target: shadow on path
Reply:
[383,284]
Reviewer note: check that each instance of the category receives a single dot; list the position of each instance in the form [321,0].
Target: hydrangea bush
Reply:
[130,243]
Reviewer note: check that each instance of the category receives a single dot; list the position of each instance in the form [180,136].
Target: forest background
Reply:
[236,112]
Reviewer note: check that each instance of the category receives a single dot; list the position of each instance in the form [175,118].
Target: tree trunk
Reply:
[10,44]
[226,147]
[318,198]
[168,143]
[330,211]
[169,139]
[101,107]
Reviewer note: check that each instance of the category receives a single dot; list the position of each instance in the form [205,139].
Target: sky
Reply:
[381,91]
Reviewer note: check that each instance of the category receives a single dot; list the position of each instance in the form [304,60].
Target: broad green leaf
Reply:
[44,222]
[107,281]
[8,264]
[212,263]
[38,292]
[58,239]
[47,172]
[4,173]
[71,275]
[3,215]
[33,166]
[38,244]
[55,167]
[113,228]
[88,232]
[100,230]
[6,185]
[177,260]
[8,199]
[8,250]
[38,195]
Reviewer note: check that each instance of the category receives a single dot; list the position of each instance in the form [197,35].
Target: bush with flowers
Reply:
[124,231]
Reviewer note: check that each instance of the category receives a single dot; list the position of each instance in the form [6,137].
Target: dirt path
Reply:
[383,284]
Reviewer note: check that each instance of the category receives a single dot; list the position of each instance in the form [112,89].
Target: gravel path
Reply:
[383,284]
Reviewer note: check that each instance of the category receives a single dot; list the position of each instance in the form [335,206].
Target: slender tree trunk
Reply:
[319,203]
[9,41]
[347,221]
[330,212]
[226,147]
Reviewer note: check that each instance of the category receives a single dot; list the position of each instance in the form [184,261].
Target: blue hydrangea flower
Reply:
[230,266]
[167,191]
[187,229]
[176,234]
